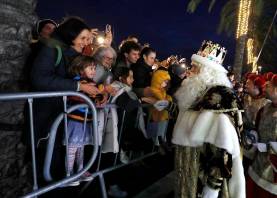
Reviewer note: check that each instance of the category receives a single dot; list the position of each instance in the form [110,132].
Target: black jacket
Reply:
[142,76]
[131,137]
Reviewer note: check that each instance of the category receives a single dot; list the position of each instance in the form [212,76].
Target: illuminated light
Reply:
[243,16]
[259,69]
[100,40]
[254,65]
[250,56]
[183,65]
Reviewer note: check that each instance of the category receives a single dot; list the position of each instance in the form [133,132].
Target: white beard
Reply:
[194,88]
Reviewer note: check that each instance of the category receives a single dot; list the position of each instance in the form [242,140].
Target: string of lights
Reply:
[243,16]
[250,48]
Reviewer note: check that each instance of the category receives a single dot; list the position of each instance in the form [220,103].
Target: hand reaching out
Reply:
[93,33]
[108,35]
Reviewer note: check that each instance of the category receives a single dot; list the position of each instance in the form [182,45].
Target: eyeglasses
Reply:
[108,58]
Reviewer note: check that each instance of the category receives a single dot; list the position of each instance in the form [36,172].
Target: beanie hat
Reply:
[43,22]
[178,69]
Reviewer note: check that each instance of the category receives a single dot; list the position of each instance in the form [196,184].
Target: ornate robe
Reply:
[208,150]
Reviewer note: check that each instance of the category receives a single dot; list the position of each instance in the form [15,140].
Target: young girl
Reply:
[134,133]
[79,131]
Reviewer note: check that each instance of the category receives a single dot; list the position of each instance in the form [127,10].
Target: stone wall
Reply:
[17,18]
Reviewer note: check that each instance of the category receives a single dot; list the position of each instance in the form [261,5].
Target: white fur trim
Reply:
[206,62]
[209,192]
[237,181]
[268,186]
[194,128]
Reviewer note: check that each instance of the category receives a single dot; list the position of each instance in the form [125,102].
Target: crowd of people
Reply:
[217,119]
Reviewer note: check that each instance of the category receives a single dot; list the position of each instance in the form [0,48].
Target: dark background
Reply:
[164,24]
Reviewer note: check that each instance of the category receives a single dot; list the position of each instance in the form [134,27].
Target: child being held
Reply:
[79,131]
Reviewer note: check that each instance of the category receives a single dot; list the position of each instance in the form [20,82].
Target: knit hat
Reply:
[43,22]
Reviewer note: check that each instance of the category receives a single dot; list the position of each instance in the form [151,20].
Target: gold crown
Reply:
[212,51]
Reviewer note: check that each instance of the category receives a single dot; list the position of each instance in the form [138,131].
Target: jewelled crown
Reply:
[210,54]
[212,51]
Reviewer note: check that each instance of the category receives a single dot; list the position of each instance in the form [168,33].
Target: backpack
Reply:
[53,43]
[59,55]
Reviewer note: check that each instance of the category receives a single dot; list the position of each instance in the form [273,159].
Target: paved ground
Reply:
[163,188]
[148,178]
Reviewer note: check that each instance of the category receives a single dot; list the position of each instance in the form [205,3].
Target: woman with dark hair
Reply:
[70,37]
[143,72]
[50,73]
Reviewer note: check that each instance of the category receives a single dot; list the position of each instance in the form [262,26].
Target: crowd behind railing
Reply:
[73,57]
[120,81]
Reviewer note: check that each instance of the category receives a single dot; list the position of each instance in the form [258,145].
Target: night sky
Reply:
[164,24]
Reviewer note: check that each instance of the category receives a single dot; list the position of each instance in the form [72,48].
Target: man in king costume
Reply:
[208,159]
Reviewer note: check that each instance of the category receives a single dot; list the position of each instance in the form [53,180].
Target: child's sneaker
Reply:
[87,176]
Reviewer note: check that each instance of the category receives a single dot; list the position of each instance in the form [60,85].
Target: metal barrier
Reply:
[63,116]
[99,172]
[30,97]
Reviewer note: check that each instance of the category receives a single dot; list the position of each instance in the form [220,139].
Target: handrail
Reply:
[51,141]
[31,95]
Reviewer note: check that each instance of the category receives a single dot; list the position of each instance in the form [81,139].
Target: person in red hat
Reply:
[262,181]
[254,100]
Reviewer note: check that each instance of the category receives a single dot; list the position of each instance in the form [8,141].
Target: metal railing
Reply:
[30,96]
[114,166]
[52,136]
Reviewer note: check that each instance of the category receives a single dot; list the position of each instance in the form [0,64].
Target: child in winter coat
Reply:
[134,133]
[159,119]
